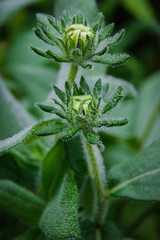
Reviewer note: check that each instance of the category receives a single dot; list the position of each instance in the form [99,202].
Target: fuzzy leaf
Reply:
[116,38]
[107,31]
[68,91]
[53,170]
[57,103]
[50,129]
[60,94]
[20,202]
[60,218]
[113,60]
[63,23]
[75,90]
[101,52]
[51,109]
[85,65]
[116,97]
[56,57]
[139,177]
[111,123]
[47,33]
[54,23]
[79,18]
[81,92]
[92,137]
[13,116]
[40,52]
[68,133]
[43,128]
[98,22]
[40,34]
[97,88]
[84,86]
[66,17]
[75,155]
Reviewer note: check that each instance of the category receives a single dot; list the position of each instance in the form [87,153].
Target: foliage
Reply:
[68,169]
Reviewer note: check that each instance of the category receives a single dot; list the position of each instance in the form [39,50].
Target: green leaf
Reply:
[113,60]
[111,232]
[139,177]
[79,18]
[148,108]
[111,123]
[98,22]
[68,91]
[68,133]
[84,86]
[53,170]
[40,52]
[57,103]
[92,137]
[97,88]
[40,34]
[57,57]
[13,116]
[63,23]
[75,90]
[20,202]
[46,32]
[60,218]
[51,128]
[51,109]
[43,128]
[88,198]
[107,31]
[116,38]
[12,168]
[101,51]
[116,97]
[75,155]
[60,94]
[54,23]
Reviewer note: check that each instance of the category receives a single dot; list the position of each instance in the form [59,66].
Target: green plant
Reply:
[75,185]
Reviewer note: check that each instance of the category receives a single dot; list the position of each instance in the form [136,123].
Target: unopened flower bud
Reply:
[81,103]
[79,31]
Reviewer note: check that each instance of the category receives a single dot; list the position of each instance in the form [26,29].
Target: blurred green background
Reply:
[28,77]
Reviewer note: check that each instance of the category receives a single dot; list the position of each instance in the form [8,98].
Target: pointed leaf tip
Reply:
[84,86]
[97,88]
[60,94]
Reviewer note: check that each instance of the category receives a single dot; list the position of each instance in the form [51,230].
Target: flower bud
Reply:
[81,103]
[79,31]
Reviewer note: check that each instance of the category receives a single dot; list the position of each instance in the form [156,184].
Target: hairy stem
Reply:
[96,169]
[97,174]
[72,74]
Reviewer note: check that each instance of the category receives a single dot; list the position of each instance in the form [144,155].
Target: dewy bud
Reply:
[80,101]
[79,31]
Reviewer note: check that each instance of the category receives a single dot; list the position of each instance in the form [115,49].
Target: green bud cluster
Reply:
[82,109]
[74,40]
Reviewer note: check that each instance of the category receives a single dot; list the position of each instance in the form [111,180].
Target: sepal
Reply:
[116,97]
[111,59]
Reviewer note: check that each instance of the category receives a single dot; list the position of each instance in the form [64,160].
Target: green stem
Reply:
[95,170]
[72,74]
[97,174]
[98,234]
